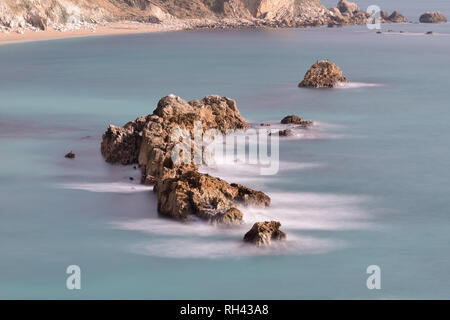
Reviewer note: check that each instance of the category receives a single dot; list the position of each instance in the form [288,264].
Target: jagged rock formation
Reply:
[432,17]
[151,141]
[348,12]
[16,15]
[323,74]
[263,233]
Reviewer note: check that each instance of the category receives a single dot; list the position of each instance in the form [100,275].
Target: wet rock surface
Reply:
[323,74]
[182,191]
[263,233]
[294,119]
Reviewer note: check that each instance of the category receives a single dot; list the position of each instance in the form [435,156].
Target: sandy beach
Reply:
[99,30]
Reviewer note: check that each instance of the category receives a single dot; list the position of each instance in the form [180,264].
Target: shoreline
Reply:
[99,30]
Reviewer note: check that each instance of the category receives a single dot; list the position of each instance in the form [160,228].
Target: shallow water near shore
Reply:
[368,185]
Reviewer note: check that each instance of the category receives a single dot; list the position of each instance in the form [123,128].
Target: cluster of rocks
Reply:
[323,74]
[348,12]
[183,192]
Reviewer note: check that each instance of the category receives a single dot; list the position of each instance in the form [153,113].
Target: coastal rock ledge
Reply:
[323,74]
[183,192]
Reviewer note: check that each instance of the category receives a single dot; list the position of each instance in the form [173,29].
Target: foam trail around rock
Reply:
[113,187]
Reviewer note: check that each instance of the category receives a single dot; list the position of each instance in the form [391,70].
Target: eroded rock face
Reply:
[182,191]
[294,119]
[121,145]
[231,217]
[194,193]
[432,17]
[323,74]
[263,233]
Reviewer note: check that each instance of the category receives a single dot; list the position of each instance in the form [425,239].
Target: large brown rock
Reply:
[323,74]
[263,233]
[432,17]
[194,193]
[147,139]
[182,191]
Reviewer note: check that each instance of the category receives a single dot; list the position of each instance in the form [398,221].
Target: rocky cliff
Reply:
[17,15]
[41,14]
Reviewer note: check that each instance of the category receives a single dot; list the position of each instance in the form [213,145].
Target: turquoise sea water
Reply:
[367,186]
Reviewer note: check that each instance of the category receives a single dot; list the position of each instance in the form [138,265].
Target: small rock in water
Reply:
[294,119]
[284,133]
[323,74]
[430,32]
[131,178]
[379,32]
[70,155]
[263,233]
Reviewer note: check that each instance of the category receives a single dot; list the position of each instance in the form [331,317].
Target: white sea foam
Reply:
[214,249]
[113,187]
[314,211]
[356,85]
[297,212]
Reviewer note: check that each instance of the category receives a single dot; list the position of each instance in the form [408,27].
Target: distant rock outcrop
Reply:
[17,15]
[263,233]
[395,17]
[432,17]
[323,74]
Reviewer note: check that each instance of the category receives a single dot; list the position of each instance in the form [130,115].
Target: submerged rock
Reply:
[323,74]
[70,155]
[285,133]
[432,17]
[263,233]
